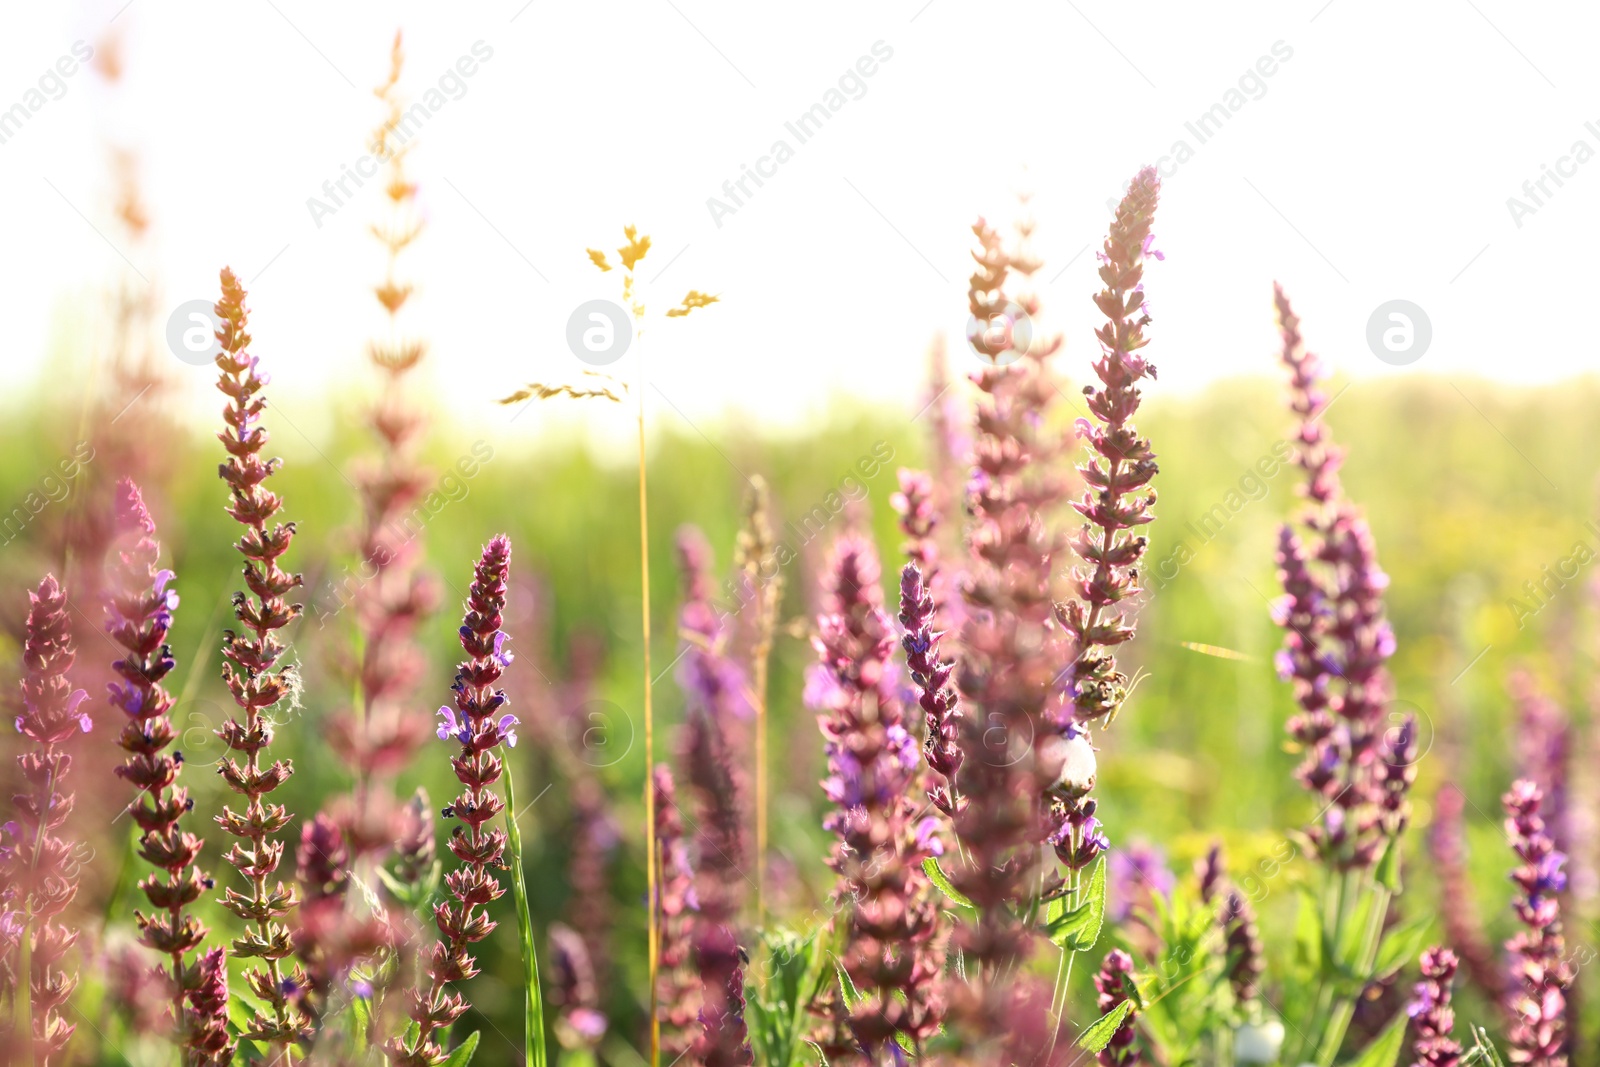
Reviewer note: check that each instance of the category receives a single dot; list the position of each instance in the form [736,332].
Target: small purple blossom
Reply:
[507,727]
[453,728]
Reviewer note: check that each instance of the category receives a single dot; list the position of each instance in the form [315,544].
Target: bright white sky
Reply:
[1377,165]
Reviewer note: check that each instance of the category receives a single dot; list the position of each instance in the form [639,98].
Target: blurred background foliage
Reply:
[1472,490]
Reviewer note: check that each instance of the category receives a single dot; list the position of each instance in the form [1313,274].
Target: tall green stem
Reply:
[533,1000]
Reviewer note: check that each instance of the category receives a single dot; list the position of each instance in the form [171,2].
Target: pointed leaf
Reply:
[463,1052]
[1099,1033]
[1400,946]
[937,876]
[1388,873]
[1078,929]
[1384,1050]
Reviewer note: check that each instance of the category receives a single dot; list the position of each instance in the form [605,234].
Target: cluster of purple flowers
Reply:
[1337,641]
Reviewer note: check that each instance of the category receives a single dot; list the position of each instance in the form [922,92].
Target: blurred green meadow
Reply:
[1473,490]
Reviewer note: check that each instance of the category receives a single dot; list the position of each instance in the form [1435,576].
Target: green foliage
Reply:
[790,976]
[1099,1033]
[533,999]
[1077,929]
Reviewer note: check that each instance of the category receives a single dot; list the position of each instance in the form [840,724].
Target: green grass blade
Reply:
[533,1000]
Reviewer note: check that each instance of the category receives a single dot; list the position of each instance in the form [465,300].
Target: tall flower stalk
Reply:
[754,549]
[139,618]
[259,682]
[714,686]
[477,726]
[1336,643]
[629,256]
[38,869]
[678,998]
[395,596]
[1117,499]
[1011,651]
[892,950]
[1540,973]
[1431,1013]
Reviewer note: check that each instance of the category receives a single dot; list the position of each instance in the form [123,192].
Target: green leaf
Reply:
[463,1052]
[822,1057]
[1077,930]
[1099,1033]
[847,987]
[1401,946]
[937,876]
[1384,1049]
[533,997]
[1388,874]
[1308,934]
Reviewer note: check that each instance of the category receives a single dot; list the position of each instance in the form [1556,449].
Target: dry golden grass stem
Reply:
[755,546]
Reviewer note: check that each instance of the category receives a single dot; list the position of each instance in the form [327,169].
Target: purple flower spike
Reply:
[1537,1000]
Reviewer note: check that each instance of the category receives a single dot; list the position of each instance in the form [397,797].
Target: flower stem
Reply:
[533,1000]
[653,927]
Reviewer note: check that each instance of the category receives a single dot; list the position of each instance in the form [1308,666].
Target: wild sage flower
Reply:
[139,618]
[1544,752]
[330,936]
[479,729]
[1242,945]
[678,996]
[258,682]
[1117,498]
[573,991]
[1114,984]
[37,867]
[210,1037]
[892,947]
[1540,973]
[714,687]
[1010,649]
[1236,920]
[936,694]
[1431,1013]
[393,594]
[1337,640]
[1135,876]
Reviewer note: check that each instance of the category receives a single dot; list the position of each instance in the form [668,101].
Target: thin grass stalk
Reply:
[533,1000]
[652,921]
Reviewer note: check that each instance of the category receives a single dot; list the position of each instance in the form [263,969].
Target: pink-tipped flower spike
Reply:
[209,1036]
[38,874]
[678,1000]
[1540,973]
[139,618]
[1118,498]
[1010,649]
[1336,638]
[936,693]
[713,684]
[259,682]
[1431,1013]
[892,948]
[1114,984]
[480,851]
[573,991]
